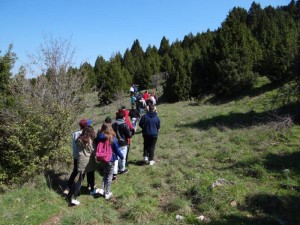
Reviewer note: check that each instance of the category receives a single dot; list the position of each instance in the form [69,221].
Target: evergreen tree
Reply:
[152,57]
[88,70]
[178,84]
[6,64]
[164,47]
[278,39]
[238,52]
[138,57]
[147,72]
[203,67]
[101,71]
[128,62]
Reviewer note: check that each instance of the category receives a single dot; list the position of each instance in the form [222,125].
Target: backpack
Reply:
[103,151]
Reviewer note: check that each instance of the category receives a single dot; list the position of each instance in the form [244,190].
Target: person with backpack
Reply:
[82,124]
[134,115]
[150,124]
[131,128]
[123,133]
[107,135]
[86,163]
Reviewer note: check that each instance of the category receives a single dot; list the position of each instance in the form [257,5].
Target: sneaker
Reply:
[66,191]
[124,171]
[151,163]
[95,191]
[108,196]
[146,159]
[114,177]
[75,201]
[101,191]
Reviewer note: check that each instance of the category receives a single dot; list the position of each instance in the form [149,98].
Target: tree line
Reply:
[227,61]
[36,114]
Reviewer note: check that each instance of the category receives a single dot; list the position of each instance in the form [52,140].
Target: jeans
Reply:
[134,122]
[107,177]
[121,163]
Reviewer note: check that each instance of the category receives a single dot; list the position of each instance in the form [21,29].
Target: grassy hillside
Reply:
[230,162]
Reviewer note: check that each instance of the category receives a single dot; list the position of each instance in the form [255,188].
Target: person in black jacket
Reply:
[134,115]
[150,124]
[122,131]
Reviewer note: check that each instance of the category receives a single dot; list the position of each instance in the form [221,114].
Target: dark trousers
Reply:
[127,155]
[90,177]
[149,146]
[73,175]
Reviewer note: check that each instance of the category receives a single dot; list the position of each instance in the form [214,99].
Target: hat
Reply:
[83,123]
[89,122]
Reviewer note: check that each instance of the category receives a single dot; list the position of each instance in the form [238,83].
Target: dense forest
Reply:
[35,114]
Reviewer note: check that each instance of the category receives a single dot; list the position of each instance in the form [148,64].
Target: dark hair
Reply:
[87,134]
[107,119]
[120,114]
[151,108]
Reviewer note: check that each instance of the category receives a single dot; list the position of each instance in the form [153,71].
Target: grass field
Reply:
[228,162]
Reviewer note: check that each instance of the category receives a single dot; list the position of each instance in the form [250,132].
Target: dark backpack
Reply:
[104,151]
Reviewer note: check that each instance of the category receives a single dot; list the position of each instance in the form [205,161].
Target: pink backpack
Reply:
[104,151]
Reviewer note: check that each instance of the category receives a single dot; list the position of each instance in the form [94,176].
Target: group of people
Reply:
[141,101]
[119,134]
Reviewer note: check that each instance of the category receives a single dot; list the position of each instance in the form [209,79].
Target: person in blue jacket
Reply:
[107,132]
[150,124]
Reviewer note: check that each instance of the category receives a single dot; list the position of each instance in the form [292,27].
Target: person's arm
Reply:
[116,148]
[100,137]
[142,121]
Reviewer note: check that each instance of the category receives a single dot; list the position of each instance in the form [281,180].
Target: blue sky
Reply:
[104,27]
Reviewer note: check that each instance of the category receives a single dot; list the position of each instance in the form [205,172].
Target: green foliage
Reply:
[34,128]
[178,84]
[235,140]
[87,70]
[237,54]
[32,143]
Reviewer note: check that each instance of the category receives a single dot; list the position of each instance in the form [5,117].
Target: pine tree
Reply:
[88,70]
[138,57]
[238,52]
[178,84]
[164,47]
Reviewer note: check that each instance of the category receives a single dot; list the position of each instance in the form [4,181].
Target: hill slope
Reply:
[231,162]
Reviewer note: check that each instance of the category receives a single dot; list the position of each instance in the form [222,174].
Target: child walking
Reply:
[107,132]
[86,163]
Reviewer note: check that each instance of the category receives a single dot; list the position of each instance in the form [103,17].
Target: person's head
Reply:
[120,115]
[87,134]
[83,123]
[107,119]
[151,108]
[108,131]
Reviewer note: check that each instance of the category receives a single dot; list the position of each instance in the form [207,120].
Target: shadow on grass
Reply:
[251,93]
[278,163]
[283,162]
[57,182]
[265,209]
[237,120]
[137,162]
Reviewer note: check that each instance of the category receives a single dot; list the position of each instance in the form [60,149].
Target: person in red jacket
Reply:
[146,95]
